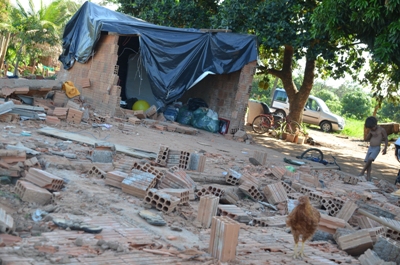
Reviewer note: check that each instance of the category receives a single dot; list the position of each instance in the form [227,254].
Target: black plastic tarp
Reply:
[174,58]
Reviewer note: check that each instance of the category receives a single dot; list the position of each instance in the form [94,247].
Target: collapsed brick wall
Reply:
[103,94]
[227,94]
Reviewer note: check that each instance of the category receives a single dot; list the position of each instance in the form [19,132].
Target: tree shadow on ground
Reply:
[350,163]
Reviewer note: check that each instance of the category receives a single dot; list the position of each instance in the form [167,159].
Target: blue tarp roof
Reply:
[174,58]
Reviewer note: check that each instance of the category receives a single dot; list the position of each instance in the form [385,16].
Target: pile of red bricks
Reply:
[182,194]
[233,212]
[169,158]
[115,178]
[224,238]
[61,108]
[36,184]
[178,179]
[97,172]
[44,179]
[31,193]
[214,190]
[138,183]
[233,177]
[161,200]
[207,209]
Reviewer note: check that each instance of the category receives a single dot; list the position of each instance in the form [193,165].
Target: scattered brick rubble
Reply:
[237,217]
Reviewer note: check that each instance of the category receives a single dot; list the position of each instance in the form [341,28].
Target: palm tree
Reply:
[37,28]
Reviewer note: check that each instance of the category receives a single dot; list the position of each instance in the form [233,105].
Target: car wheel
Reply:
[326,126]
[280,113]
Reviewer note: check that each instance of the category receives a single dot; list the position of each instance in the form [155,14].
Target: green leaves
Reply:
[374,23]
[357,105]
[173,13]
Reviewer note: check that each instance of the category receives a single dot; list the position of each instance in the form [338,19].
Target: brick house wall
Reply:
[102,71]
[226,94]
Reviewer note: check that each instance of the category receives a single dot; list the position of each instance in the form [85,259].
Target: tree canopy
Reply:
[376,25]
[285,33]
[172,13]
[356,104]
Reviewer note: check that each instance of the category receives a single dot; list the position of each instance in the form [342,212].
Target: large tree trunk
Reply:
[300,99]
[297,98]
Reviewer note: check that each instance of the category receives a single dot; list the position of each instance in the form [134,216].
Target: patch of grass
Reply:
[393,136]
[353,128]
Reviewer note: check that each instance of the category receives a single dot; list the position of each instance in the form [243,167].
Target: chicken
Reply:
[303,221]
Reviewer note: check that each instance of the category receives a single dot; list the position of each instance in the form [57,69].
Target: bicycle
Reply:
[264,122]
[316,155]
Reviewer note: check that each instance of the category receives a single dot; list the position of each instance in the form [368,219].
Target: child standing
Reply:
[397,154]
[397,149]
[375,136]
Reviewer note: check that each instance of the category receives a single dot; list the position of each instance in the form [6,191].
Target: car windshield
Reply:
[322,105]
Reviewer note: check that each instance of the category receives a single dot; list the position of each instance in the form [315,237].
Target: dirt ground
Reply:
[87,198]
[349,152]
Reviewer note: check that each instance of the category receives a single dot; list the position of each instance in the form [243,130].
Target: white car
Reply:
[315,112]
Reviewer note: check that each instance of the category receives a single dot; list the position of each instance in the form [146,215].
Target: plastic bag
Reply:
[170,113]
[212,114]
[185,116]
[195,103]
[291,204]
[202,120]
[37,215]
[290,168]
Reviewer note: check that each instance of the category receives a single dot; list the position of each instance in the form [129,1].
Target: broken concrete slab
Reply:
[152,218]
[102,156]
[354,243]
[387,249]
[77,225]
[6,107]
[371,258]
[90,141]
[19,146]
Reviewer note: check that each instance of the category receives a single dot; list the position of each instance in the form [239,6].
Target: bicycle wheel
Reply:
[261,124]
[313,154]
[293,127]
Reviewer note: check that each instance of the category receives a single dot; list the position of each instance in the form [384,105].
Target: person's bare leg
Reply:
[369,172]
[367,165]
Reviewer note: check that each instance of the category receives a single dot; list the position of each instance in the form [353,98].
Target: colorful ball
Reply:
[140,105]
